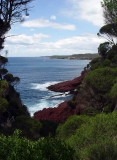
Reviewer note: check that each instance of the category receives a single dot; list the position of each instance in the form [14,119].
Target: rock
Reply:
[59,114]
[63,111]
[67,86]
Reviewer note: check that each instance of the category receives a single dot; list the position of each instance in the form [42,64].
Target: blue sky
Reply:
[57,27]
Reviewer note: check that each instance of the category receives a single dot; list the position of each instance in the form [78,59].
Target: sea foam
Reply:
[43,86]
[43,103]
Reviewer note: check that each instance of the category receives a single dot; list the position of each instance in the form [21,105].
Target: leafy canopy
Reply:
[17,148]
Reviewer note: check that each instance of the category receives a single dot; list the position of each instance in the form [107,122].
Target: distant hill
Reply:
[75,56]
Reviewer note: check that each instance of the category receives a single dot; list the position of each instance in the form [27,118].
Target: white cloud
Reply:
[53,17]
[26,40]
[40,23]
[87,43]
[89,10]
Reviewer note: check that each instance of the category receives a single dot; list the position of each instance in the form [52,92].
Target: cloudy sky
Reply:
[57,27]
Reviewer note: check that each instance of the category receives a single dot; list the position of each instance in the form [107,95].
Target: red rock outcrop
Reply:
[67,85]
[59,114]
[63,111]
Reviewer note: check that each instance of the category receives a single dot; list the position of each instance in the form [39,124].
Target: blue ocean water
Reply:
[38,73]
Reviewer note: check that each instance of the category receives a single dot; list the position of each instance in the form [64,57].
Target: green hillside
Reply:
[76,56]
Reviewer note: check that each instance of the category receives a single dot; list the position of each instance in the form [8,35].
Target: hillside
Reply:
[88,56]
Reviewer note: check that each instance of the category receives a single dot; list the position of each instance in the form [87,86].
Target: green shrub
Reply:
[106,62]
[113,92]
[69,128]
[101,80]
[94,133]
[95,63]
[106,150]
[18,148]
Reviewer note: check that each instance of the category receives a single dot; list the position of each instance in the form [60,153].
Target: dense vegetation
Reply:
[17,148]
[90,136]
[93,138]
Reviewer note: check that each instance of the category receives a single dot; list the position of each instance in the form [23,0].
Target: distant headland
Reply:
[87,56]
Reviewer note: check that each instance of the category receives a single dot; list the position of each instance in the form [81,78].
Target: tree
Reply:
[11,11]
[11,79]
[103,49]
[109,30]
[110,11]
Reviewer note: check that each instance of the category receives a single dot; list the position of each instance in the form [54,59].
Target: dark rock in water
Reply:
[67,85]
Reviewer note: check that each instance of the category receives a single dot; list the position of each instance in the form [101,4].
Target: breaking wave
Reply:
[43,103]
[43,86]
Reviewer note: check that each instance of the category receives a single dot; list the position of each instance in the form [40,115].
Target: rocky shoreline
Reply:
[64,110]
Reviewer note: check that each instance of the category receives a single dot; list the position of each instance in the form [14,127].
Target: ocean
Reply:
[37,73]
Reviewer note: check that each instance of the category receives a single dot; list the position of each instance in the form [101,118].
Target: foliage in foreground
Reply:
[95,139]
[17,148]
[66,130]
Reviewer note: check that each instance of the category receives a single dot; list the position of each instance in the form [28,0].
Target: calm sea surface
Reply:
[38,73]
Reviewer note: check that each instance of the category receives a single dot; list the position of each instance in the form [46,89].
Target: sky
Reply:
[57,27]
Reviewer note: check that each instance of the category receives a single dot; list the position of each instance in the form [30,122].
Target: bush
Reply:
[69,128]
[106,62]
[101,80]
[94,135]
[18,148]
[113,92]
[106,150]
[95,63]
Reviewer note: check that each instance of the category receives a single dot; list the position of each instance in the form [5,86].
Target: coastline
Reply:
[87,56]
[63,111]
